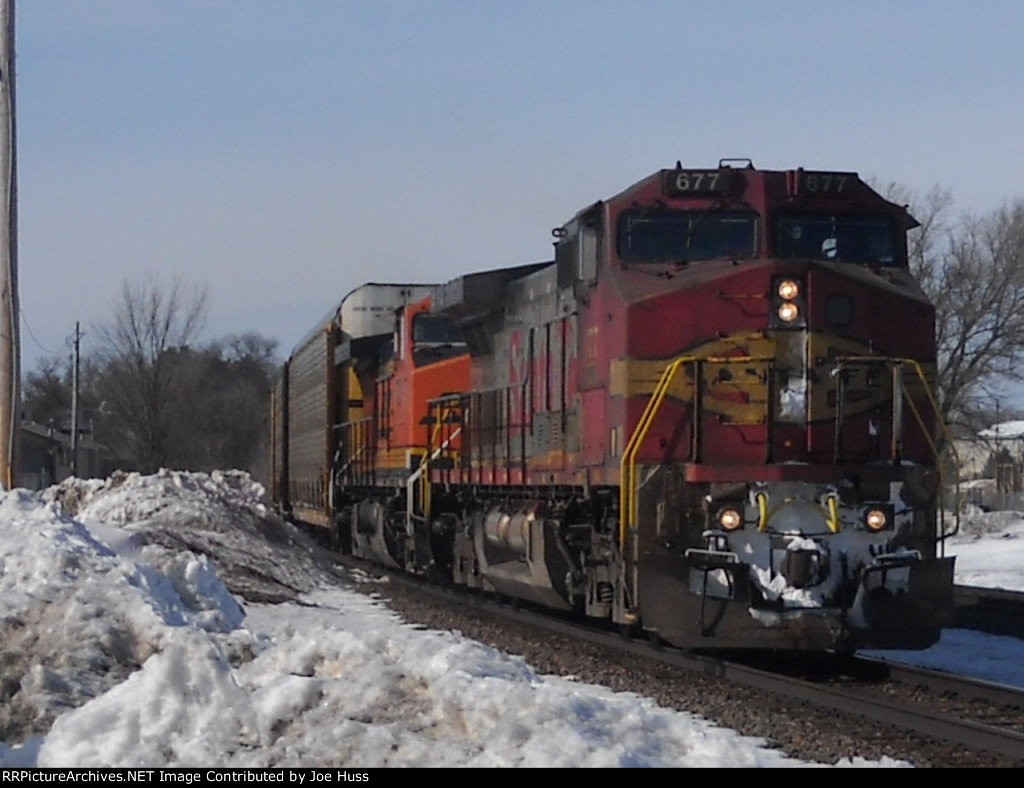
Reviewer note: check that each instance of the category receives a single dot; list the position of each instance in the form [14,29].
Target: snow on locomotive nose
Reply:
[807,550]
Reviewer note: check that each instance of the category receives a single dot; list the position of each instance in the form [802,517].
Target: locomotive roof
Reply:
[474,295]
[708,183]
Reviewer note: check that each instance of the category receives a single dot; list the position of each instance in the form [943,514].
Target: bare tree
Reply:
[981,300]
[973,271]
[46,395]
[142,351]
[233,403]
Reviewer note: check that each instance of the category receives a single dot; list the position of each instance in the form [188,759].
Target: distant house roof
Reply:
[59,436]
[1006,430]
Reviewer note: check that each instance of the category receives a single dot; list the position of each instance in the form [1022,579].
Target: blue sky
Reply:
[281,153]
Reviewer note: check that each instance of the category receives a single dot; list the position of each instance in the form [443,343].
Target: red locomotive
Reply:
[709,417]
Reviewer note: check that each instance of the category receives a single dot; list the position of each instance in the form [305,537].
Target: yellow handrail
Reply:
[919,370]
[627,466]
[444,411]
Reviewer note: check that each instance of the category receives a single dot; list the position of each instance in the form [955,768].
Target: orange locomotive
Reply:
[710,417]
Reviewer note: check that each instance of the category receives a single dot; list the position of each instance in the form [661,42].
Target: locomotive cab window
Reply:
[435,338]
[664,236]
[851,239]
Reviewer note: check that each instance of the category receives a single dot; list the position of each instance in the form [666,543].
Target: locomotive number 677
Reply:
[710,417]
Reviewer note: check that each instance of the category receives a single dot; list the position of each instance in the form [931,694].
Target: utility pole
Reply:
[9,311]
[74,401]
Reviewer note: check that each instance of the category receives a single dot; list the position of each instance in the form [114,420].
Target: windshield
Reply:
[435,338]
[434,329]
[853,239]
[658,236]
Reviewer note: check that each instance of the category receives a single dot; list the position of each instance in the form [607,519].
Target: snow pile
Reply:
[76,618]
[219,515]
[976,523]
[363,692]
[989,549]
[85,602]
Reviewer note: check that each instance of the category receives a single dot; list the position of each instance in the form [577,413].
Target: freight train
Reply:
[710,417]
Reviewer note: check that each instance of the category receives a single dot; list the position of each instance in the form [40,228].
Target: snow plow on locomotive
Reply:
[709,417]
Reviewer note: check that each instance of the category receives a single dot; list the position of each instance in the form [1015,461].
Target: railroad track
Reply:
[924,716]
[961,711]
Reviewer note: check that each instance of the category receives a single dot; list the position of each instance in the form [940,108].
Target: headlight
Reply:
[730,519]
[788,312]
[788,289]
[876,519]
